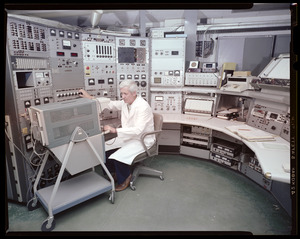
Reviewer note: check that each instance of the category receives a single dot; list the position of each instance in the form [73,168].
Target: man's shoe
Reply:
[123,185]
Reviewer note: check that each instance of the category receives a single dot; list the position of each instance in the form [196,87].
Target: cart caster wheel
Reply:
[32,204]
[112,197]
[133,188]
[161,178]
[48,225]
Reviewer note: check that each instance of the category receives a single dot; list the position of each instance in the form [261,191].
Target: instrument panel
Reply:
[167,61]
[132,57]
[270,119]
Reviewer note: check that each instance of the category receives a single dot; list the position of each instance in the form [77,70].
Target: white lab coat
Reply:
[135,122]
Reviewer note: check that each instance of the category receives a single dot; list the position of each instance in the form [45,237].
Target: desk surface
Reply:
[273,156]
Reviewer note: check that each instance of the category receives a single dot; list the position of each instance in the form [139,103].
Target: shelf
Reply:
[278,96]
[74,191]
[195,152]
[189,89]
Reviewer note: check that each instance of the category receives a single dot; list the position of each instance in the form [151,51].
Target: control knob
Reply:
[273,127]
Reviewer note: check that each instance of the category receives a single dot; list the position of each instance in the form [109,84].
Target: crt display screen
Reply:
[126,55]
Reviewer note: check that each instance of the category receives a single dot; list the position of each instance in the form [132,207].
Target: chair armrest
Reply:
[156,132]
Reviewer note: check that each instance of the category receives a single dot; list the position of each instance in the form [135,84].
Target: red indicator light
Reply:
[60,53]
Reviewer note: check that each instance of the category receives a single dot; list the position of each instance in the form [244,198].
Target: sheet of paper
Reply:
[250,133]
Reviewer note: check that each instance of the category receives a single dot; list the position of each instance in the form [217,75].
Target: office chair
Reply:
[137,163]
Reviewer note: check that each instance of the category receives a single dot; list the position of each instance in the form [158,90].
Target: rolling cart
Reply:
[81,153]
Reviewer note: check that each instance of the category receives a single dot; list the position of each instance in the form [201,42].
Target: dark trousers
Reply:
[122,170]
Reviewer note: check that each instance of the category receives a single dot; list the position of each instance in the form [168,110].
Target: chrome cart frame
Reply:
[84,186]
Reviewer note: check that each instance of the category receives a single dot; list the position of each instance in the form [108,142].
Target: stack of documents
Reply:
[250,133]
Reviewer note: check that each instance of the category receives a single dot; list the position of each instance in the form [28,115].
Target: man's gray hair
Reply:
[131,84]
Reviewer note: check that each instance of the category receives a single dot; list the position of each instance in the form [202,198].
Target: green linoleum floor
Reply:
[196,195]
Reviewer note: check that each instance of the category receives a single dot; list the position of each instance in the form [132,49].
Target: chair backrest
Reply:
[158,121]
[153,150]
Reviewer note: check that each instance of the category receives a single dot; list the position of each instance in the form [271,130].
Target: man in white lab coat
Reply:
[136,119]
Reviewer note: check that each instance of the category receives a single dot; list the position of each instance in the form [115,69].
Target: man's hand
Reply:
[111,129]
[84,94]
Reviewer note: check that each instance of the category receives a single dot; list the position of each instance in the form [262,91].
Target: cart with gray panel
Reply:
[78,153]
